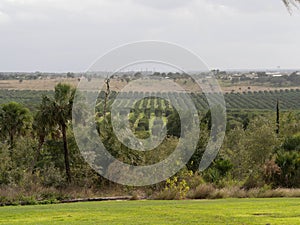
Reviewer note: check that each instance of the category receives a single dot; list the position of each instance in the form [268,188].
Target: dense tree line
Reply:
[39,146]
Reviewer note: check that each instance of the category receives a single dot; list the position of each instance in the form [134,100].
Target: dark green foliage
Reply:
[195,160]
[29,98]
[238,118]
[15,120]
[144,123]
[174,124]
[158,112]
[292,143]
[289,164]
[207,120]
[218,170]
[223,166]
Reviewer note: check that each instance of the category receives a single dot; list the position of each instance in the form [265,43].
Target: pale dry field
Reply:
[145,85]
[41,84]
[115,85]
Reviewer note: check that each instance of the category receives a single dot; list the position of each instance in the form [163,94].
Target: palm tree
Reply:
[57,113]
[15,119]
[289,3]
[41,129]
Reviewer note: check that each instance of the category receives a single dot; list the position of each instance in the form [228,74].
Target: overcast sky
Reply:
[68,35]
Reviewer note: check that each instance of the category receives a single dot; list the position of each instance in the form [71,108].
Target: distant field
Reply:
[43,84]
[246,88]
[29,92]
[278,211]
[261,100]
[145,85]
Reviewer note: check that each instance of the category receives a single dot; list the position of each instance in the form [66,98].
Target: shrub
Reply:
[203,191]
[292,143]
[218,171]
[179,186]
[271,170]
[28,200]
[254,180]
[167,195]
[176,187]
[289,163]
[51,176]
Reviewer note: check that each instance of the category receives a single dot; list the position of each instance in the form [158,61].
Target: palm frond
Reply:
[290,3]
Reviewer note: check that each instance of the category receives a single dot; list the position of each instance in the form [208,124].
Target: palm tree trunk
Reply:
[66,153]
[37,154]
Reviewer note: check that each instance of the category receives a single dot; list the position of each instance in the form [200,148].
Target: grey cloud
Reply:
[69,34]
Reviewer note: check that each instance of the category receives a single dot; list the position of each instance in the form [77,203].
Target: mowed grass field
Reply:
[226,211]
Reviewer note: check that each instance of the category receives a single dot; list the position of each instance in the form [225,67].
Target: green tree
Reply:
[173,124]
[15,120]
[57,113]
[249,149]
[195,160]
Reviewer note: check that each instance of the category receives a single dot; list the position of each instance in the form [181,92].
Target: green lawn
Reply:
[226,211]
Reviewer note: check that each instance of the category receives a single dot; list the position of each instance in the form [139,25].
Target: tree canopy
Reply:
[15,119]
